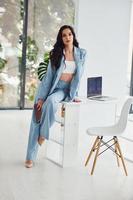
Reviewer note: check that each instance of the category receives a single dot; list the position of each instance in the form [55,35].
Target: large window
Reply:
[10,52]
[28,29]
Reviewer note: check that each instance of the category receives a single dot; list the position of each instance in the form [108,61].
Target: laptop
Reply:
[94,89]
[94,86]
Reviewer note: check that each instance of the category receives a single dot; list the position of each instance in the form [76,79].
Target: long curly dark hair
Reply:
[57,52]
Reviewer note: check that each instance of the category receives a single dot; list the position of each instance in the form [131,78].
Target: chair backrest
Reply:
[122,122]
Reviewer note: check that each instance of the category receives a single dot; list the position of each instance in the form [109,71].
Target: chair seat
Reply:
[104,131]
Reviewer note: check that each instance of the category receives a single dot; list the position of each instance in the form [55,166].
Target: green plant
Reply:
[21,9]
[32,50]
[42,69]
[31,92]
[2,63]
[46,57]
[2,60]
[1,47]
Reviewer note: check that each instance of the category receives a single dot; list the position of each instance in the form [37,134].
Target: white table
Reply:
[63,146]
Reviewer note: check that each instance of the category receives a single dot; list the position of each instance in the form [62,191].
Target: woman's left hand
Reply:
[39,104]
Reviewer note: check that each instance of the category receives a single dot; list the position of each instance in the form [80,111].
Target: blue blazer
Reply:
[50,80]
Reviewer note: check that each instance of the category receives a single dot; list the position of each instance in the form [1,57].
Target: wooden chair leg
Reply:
[92,150]
[96,155]
[116,150]
[121,156]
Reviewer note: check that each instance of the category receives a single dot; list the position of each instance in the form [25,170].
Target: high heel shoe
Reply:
[28,163]
[41,140]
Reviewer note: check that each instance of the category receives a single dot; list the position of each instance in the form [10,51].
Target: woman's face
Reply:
[67,37]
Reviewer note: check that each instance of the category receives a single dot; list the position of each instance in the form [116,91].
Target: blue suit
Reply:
[52,90]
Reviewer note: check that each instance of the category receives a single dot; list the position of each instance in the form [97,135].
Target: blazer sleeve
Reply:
[45,84]
[83,56]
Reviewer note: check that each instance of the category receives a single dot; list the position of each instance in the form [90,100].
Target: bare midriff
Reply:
[67,77]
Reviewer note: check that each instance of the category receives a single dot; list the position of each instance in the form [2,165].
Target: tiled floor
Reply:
[47,181]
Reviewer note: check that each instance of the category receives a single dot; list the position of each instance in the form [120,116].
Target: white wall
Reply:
[103,29]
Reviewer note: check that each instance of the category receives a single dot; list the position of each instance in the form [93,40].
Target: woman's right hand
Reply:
[39,104]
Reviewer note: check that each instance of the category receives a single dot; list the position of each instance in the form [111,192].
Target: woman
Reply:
[61,83]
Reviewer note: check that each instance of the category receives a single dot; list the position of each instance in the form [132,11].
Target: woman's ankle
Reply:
[28,163]
[41,139]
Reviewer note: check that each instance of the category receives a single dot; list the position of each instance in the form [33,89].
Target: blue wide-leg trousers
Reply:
[49,109]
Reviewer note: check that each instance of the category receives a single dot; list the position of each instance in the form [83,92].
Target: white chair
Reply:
[114,131]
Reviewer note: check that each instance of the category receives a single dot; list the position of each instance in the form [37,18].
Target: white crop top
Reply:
[69,67]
